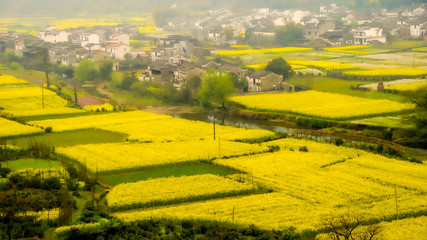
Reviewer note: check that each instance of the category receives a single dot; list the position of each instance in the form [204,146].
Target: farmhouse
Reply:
[52,35]
[267,81]
[366,35]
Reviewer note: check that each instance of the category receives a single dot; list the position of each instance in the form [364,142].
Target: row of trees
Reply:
[285,36]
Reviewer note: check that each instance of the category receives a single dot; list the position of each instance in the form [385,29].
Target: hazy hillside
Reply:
[98,7]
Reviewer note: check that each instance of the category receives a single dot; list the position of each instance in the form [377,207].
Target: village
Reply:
[177,56]
[213,119]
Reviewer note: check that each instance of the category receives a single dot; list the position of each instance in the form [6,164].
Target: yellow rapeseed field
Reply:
[82,22]
[409,228]
[264,50]
[321,104]
[311,186]
[388,72]
[12,128]
[348,49]
[51,214]
[99,108]
[144,126]
[327,65]
[120,156]
[92,121]
[167,189]
[11,80]
[28,101]
[264,65]
[408,87]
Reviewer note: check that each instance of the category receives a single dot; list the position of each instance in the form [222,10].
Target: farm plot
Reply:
[70,138]
[389,72]
[355,49]
[163,191]
[11,128]
[81,22]
[178,170]
[32,101]
[310,186]
[149,127]
[264,50]
[26,163]
[326,65]
[10,80]
[321,104]
[85,122]
[122,156]
[409,86]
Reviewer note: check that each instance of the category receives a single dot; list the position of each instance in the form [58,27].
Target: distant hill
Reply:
[69,8]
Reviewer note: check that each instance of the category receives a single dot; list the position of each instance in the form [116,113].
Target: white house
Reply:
[89,39]
[281,21]
[298,15]
[366,36]
[118,51]
[52,35]
[418,29]
[121,38]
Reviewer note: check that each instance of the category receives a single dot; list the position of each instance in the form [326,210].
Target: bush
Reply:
[415,160]
[72,171]
[303,149]
[14,66]
[339,141]
[48,129]
[51,183]
[4,172]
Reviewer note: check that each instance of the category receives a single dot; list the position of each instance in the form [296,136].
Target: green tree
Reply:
[228,32]
[216,88]
[128,80]
[417,137]
[86,70]
[11,57]
[14,66]
[289,33]
[280,67]
[193,82]
[105,70]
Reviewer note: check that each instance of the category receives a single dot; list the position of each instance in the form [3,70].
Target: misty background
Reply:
[70,8]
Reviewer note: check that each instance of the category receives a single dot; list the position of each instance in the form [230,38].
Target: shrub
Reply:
[415,160]
[339,141]
[14,66]
[51,183]
[48,129]
[303,149]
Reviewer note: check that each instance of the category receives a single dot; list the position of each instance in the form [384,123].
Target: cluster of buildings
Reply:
[173,59]
[332,25]
[68,47]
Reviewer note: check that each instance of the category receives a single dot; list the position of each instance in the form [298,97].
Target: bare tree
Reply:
[349,226]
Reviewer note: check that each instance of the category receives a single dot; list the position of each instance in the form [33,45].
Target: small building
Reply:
[239,72]
[52,35]
[418,29]
[313,31]
[366,35]
[266,81]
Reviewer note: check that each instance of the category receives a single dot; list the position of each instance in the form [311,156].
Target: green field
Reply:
[387,121]
[173,170]
[332,85]
[15,165]
[71,138]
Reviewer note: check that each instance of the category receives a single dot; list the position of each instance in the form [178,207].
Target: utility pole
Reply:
[233,214]
[214,126]
[395,195]
[413,61]
[219,147]
[42,97]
